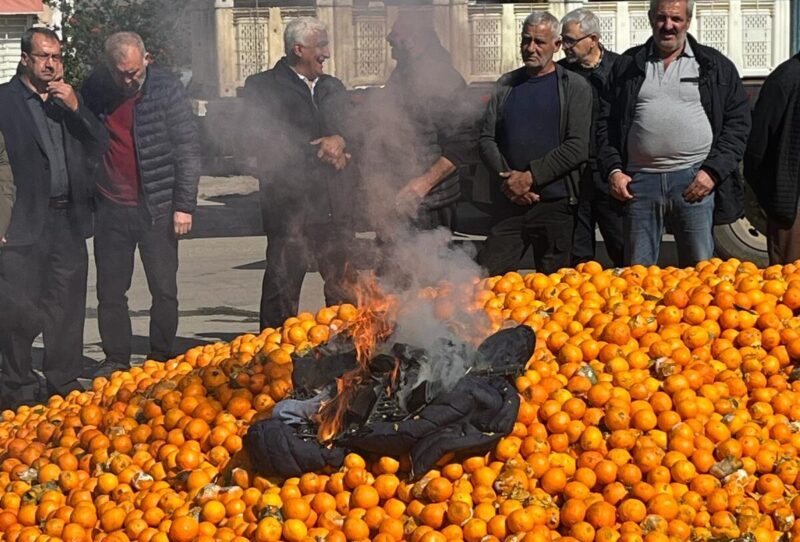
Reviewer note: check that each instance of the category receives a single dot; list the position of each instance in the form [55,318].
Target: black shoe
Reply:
[109,366]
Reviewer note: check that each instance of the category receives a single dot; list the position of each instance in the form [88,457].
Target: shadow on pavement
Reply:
[227,216]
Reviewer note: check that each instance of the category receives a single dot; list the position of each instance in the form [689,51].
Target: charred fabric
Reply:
[425,403]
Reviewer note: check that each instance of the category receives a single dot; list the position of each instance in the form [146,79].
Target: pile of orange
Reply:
[659,405]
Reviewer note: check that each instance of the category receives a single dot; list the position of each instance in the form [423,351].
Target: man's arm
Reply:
[729,148]
[770,109]
[609,156]
[7,191]
[488,147]
[574,149]
[185,138]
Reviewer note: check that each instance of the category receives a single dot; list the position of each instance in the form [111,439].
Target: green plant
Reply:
[87,23]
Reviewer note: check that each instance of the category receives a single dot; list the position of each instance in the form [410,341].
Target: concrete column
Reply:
[510,39]
[735,32]
[441,22]
[781,36]
[204,59]
[275,36]
[343,40]
[623,27]
[226,47]
[459,36]
[325,13]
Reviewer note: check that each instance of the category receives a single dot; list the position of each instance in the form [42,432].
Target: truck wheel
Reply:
[741,240]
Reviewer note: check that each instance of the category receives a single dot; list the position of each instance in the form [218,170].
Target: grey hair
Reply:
[588,21]
[299,30]
[117,43]
[543,18]
[689,6]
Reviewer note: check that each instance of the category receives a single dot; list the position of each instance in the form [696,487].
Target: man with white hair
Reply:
[535,139]
[147,192]
[672,132]
[293,123]
[585,54]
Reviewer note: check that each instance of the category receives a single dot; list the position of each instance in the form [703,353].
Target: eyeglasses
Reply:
[569,43]
[43,57]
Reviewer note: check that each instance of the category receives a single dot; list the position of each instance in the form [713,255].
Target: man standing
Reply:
[535,139]
[673,130]
[148,192]
[429,132]
[294,125]
[53,142]
[772,159]
[585,55]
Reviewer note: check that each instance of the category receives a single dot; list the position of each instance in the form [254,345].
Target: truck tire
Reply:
[741,240]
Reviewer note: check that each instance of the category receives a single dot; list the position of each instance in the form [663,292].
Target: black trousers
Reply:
[545,226]
[119,230]
[290,251]
[596,207]
[49,278]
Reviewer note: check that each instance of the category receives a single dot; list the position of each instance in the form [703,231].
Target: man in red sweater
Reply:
[148,192]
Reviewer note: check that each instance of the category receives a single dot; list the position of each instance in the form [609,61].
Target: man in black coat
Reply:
[772,159]
[671,135]
[147,192]
[53,142]
[294,125]
[585,55]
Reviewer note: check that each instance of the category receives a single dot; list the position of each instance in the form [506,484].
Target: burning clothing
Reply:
[410,401]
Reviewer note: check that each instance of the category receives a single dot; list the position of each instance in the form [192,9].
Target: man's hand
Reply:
[618,185]
[517,183]
[410,196]
[182,223]
[3,241]
[64,92]
[332,151]
[701,186]
[526,199]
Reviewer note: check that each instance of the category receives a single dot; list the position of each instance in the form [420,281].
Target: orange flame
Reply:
[373,324]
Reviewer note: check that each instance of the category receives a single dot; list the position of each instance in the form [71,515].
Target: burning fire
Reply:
[376,320]
[373,324]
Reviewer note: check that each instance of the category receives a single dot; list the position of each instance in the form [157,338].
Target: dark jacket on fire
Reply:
[166,136]
[564,163]
[724,101]
[772,160]
[282,118]
[429,118]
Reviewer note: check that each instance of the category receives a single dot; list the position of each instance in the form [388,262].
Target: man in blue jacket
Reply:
[147,192]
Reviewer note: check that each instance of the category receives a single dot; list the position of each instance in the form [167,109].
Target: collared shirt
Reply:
[48,118]
[670,129]
[308,82]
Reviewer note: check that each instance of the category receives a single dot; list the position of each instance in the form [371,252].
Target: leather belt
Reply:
[60,202]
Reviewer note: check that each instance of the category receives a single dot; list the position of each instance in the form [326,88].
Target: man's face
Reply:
[401,41]
[312,55]
[43,64]
[538,46]
[670,22]
[577,45]
[129,68]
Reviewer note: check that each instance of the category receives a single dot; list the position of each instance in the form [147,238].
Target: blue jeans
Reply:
[658,200]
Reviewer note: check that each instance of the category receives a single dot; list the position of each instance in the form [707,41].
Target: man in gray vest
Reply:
[672,133]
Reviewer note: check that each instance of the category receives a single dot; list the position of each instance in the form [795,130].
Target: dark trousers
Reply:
[783,243]
[545,226]
[597,208]
[118,231]
[48,276]
[290,251]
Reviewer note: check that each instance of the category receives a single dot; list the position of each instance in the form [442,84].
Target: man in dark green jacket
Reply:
[535,140]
